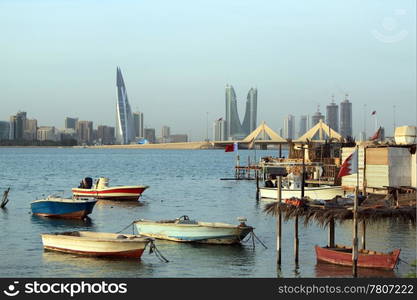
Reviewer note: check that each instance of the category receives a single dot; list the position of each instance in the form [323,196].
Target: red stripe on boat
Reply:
[136,253]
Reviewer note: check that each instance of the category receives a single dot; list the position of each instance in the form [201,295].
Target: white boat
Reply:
[323,192]
[102,191]
[291,187]
[96,243]
[185,230]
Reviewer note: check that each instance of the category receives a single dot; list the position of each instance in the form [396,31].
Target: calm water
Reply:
[182,183]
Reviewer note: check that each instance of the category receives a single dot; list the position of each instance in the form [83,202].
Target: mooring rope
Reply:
[153,249]
[252,236]
[403,261]
[131,224]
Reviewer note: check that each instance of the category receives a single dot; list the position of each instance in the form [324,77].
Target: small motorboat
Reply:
[57,207]
[185,230]
[101,244]
[342,255]
[101,190]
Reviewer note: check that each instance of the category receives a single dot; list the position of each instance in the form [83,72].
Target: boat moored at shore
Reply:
[99,244]
[185,230]
[57,207]
[341,255]
[101,190]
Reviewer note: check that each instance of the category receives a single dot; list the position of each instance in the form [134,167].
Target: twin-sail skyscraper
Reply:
[234,130]
[125,132]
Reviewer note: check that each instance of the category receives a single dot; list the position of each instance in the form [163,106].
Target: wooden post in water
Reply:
[363,235]
[257,184]
[296,240]
[355,235]
[330,237]
[279,222]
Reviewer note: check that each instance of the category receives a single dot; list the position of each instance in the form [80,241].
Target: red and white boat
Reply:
[101,190]
[342,255]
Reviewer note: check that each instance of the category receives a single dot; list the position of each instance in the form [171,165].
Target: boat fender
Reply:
[121,237]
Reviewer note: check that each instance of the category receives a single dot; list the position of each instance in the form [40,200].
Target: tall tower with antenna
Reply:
[346,117]
[332,115]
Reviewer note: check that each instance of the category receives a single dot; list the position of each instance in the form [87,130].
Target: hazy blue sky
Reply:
[59,59]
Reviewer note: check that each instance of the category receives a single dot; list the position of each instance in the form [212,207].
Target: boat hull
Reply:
[101,246]
[314,193]
[61,209]
[343,256]
[127,193]
[196,233]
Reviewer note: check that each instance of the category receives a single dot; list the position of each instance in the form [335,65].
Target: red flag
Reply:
[229,148]
[350,165]
[377,134]
[373,113]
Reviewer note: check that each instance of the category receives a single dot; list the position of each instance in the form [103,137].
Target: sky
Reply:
[59,59]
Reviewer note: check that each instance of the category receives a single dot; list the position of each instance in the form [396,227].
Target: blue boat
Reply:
[57,207]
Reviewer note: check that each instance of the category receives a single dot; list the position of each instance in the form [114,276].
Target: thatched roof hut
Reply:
[323,215]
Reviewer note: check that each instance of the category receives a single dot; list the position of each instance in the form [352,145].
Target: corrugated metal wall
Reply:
[385,166]
[414,170]
[399,166]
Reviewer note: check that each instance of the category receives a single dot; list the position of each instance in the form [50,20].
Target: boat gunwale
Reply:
[139,238]
[313,188]
[66,200]
[114,187]
[199,224]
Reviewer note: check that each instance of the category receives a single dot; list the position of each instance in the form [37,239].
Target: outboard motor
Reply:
[86,183]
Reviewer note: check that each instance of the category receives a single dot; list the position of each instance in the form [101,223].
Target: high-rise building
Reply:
[233,126]
[150,135]
[105,134]
[84,132]
[46,133]
[125,131]
[138,124]
[31,127]
[17,126]
[346,117]
[302,126]
[218,130]
[165,132]
[70,122]
[249,121]
[289,127]
[332,115]
[316,117]
[4,130]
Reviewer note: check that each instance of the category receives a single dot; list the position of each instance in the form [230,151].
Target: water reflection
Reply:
[128,204]
[324,269]
[98,267]
[54,224]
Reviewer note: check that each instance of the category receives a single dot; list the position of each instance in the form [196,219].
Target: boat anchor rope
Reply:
[252,236]
[152,247]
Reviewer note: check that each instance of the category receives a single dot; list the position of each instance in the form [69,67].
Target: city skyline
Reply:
[188,79]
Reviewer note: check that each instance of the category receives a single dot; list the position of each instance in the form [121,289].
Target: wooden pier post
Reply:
[257,184]
[279,222]
[280,150]
[363,235]
[330,237]
[296,242]
[355,236]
